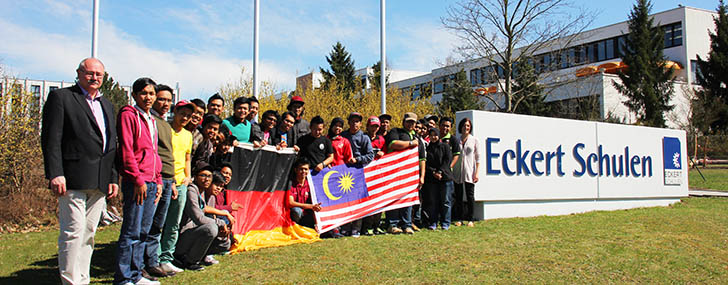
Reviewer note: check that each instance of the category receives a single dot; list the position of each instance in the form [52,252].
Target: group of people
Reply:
[174,171]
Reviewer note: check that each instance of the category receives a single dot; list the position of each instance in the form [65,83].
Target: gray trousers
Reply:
[79,212]
[193,244]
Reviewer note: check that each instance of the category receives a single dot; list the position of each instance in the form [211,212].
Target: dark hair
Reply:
[142,83]
[447,119]
[316,121]
[226,164]
[301,161]
[461,125]
[422,121]
[199,103]
[217,178]
[288,113]
[269,113]
[252,99]
[333,123]
[162,87]
[215,97]
[240,101]
[211,118]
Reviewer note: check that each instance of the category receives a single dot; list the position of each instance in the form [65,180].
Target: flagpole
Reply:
[383,59]
[255,48]
[95,30]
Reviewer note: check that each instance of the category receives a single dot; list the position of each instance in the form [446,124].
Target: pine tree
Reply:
[710,107]
[646,81]
[526,87]
[113,91]
[458,96]
[342,68]
[375,82]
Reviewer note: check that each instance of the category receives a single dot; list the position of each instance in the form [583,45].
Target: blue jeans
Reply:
[401,217]
[151,244]
[134,229]
[439,203]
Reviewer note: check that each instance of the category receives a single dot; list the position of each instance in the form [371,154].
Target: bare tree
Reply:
[505,32]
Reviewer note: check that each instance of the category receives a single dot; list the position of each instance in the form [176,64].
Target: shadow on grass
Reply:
[46,271]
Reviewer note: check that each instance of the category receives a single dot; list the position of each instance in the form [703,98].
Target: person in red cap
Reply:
[301,126]
[370,224]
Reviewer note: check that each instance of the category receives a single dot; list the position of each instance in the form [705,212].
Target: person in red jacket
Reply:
[141,181]
[342,147]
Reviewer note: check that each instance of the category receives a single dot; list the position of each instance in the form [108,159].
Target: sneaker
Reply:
[209,260]
[194,267]
[369,232]
[157,271]
[170,268]
[379,231]
[145,281]
[394,230]
[458,223]
[444,228]
[470,224]
[146,275]
[409,231]
[432,228]
[414,227]
[355,233]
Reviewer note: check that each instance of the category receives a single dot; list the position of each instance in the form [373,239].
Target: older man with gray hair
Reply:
[78,139]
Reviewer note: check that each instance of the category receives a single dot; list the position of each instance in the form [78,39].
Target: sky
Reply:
[202,45]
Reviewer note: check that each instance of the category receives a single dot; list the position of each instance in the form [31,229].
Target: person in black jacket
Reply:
[438,182]
[78,139]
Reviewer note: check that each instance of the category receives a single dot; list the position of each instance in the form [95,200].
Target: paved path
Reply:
[706,193]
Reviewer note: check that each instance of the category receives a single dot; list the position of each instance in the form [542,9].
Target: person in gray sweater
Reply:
[197,231]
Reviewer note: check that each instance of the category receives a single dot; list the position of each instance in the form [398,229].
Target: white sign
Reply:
[544,166]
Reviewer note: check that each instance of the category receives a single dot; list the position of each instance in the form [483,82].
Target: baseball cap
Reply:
[373,120]
[185,103]
[355,115]
[409,116]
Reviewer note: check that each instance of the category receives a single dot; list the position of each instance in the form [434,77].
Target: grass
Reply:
[684,243]
[715,179]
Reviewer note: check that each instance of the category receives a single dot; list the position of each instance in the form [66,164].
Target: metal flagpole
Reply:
[95,30]
[383,60]
[255,48]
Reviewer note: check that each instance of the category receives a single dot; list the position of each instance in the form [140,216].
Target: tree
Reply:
[376,78]
[342,68]
[505,32]
[458,96]
[527,86]
[646,82]
[711,103]
[113,91]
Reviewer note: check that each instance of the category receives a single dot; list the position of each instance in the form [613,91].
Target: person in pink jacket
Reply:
[141,181]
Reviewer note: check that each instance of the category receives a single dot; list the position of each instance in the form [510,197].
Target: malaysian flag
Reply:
[349,193]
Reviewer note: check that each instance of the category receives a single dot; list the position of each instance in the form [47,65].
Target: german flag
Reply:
[259,184]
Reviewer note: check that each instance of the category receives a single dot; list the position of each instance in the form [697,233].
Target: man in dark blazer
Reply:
[78,139]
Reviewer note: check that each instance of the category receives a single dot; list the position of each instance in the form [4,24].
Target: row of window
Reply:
[418,90]
[592,52]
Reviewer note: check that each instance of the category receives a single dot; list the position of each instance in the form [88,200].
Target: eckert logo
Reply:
[671,156]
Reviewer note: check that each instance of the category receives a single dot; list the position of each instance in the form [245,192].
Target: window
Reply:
[53,88]
[673,35]
[610,48]
[694,71]
[439,84]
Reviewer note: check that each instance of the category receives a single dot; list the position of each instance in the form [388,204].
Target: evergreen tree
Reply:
[458,96]
[375,81]
[530,93]
[646,81]
[113,91]
[342,68]
[710,106]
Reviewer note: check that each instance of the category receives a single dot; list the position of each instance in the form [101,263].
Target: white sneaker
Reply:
[145,281]
[209,260]
[169,267]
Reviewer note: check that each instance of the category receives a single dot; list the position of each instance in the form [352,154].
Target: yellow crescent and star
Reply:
[345,184]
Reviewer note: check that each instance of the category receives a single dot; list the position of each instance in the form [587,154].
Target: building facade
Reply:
[586,68]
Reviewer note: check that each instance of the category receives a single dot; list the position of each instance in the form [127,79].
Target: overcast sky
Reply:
[204,44]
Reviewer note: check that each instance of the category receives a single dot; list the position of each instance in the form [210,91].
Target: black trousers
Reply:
[463,210]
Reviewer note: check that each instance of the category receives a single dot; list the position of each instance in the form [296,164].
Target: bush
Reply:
[22,185]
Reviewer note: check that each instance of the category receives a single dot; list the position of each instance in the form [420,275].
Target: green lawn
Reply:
[715,179]
[685,243]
